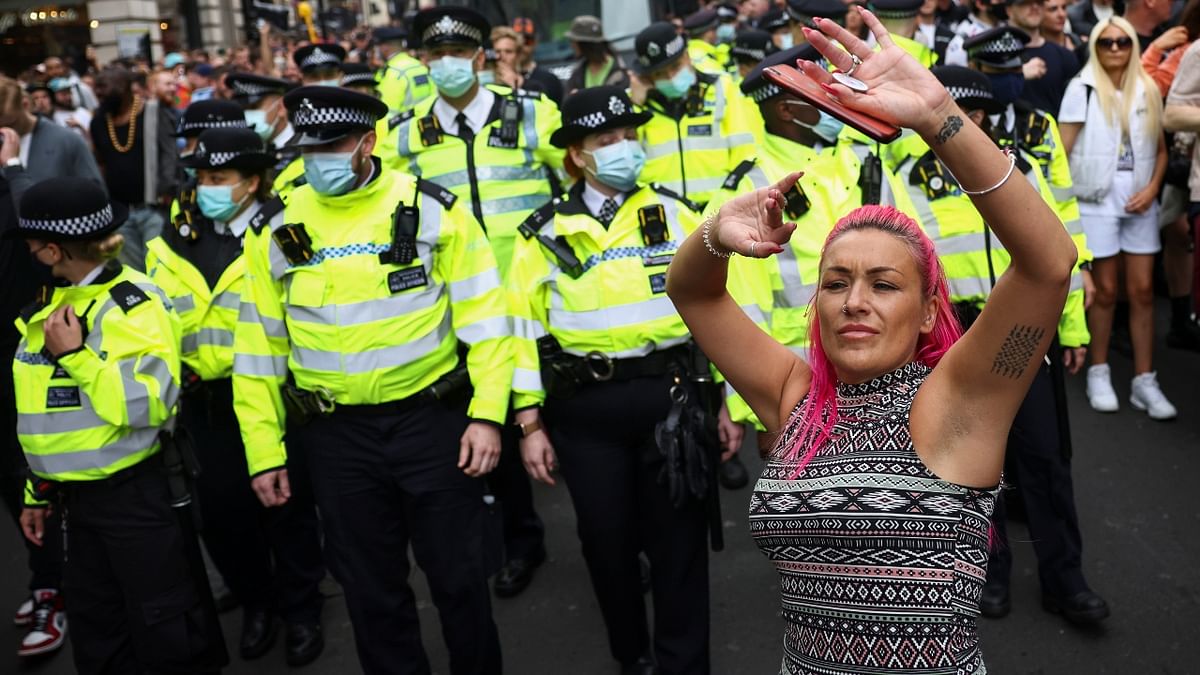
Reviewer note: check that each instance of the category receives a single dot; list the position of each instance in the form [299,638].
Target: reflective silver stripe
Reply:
[640,350]
[528,329]
[757,178]
[137,394]
[718,105]
[613,317]
[969,242]
[368,311]
[248,313]
[59,422]
[1076,282]
[755,313]
[671,211]
[475,286]
[138,440]
[456,179]
[527,380]
[96,334]
[966,288]
[696,185]
[531,134]
[735,140]
[1074,226]
[260,366]
[184,303]
[495,327]
[795,293]
[392,356]
[228,300]
[671,147]
[1062,194]
[511,204]
[212,337]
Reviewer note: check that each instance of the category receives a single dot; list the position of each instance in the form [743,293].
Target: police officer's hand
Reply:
[730,434]
[479,450]
[537,454]
[1073,358]
[752,223]
[272,487]
[900,90]
[63,331]
[33,523]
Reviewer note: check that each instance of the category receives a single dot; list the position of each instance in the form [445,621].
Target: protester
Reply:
[1048,67]
[66,114]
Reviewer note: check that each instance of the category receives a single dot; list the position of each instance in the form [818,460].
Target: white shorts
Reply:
[1110,230]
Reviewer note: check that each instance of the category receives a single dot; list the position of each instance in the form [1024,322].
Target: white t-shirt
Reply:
[81,116]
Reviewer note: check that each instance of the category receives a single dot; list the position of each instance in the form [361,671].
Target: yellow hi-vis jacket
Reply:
[365,331]
[403,82]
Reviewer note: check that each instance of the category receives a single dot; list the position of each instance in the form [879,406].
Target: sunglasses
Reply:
[1121,43]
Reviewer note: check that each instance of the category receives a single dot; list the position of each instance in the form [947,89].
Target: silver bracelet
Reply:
[707,227]
[1012,164]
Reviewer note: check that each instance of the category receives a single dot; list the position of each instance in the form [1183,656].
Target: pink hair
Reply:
[819,411]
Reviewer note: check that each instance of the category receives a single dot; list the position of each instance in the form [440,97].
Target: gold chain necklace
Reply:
[132,135]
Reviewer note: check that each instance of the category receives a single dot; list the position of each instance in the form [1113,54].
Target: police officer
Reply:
[199,265]
[1038,445]
[900,18]
[403,80]
[97,379]
[698,132]
[363,286]
[707,53]
[320,63]
[262,99]
[360,78]
[488,145]
[800,14]
[197,118]
[589,283]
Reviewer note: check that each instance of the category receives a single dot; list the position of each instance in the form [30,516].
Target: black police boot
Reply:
[1184,335]
[259,630]
[1085,608]
[643,666]
[994,601]
[304,643]
[517,574]
[733,474]
[225,600]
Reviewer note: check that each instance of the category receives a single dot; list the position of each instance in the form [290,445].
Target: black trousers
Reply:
[139,600]
[45,561]
[524,533]
[383,482]
[604,439]
[1043,476]
[240,534]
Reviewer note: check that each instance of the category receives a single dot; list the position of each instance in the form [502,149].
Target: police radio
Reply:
[506,135]
[403,250]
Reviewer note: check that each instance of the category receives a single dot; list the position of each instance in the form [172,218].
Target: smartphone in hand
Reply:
[794,80]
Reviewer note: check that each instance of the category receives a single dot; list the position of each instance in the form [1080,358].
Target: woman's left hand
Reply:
[1141,200]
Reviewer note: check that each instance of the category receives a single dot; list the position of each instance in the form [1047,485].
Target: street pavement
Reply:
[1136,484]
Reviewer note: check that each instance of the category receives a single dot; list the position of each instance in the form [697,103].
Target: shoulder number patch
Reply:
[127,295]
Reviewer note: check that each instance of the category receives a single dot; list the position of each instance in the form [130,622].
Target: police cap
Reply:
[970,89]
[250,88]
[323,114]
[658,45]
[699,23]
[390,34]
[752,46]
[998,47]
[239,149]
[450,25]
[315,57]
[212,113]
[596,109]
[804,11]
[759,88]
[895,9]
[357,75]
[773,20]
[66,208]
[726,12]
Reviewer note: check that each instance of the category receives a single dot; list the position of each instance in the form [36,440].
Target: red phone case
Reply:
[795,81]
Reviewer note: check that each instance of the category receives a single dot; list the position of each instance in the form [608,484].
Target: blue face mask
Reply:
[677,86]
[452,75]
[786,41]
[332,82]
[216,201]
[1007,87]
[331,173]
[618,165]
[257,119]
[726,32]
[827,127]
[486,77]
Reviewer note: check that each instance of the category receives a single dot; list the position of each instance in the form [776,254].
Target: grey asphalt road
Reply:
[1136,483]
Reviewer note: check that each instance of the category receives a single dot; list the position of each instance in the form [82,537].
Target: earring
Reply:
[846,310]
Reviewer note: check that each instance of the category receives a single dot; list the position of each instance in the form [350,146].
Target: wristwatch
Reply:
[1086,266]
[15,161]
[527,429]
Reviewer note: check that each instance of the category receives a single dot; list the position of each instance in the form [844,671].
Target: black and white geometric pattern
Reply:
[1003,44]
[308,115]
[653,49]
[75,227]
[252,89]
[319,57]
[765,92]
[210,123]
[592,120]
[747,53]
[959,92]
[453,27]
[357,79]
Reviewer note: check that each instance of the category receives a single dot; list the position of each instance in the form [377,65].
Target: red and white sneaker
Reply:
[48,627]
[24,615]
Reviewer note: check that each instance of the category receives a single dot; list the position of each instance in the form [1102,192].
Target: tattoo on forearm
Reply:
[951,127]
[1018,348]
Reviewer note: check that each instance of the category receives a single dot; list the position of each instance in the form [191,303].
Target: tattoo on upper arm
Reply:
[952,126]
[1019,347]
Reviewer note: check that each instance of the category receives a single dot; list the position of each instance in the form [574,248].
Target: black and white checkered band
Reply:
[308,115]
[653,49]
[895,13]
[319,57]
[591,120]
[747,53]
[1005,45]
[958,93]
[356,79]
[192,125]
[75,227]
[253,89]
[447,26]
[765,92]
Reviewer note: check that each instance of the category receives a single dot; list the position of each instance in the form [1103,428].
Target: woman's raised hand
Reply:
[752,223]
[900,90]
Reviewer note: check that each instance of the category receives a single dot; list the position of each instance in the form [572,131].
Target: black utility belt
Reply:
[599,367]
[449,389]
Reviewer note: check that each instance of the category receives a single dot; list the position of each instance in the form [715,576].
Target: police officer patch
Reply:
[62,397]
[700,130]
[402,280]
[127,295]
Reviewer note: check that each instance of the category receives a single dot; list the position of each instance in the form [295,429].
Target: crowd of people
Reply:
[291,308]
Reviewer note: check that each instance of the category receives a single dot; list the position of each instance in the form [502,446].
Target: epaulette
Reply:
[267,212]
[668,192]
[527,93]
[1023,164]
[739,172]
[44,293]
[300,181]
[538,219]
[444,197]
[127,295]
[400,118]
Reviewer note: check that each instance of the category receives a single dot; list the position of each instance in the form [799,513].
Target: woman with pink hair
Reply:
[875,500]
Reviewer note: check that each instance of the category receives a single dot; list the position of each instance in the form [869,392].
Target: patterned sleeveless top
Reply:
[880,562]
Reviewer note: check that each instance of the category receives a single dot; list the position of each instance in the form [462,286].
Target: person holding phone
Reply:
[874,504]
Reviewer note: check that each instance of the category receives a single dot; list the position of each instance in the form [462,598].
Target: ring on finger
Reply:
[857,62]
[753,246]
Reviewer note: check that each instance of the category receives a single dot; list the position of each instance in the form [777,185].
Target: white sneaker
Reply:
[1100,391]
[24,615]
[1147,396]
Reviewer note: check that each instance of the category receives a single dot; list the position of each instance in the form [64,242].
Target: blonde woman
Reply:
[1111,125]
